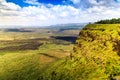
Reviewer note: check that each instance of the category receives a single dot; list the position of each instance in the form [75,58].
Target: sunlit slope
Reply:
[96,56]
[19,67]
[29,64]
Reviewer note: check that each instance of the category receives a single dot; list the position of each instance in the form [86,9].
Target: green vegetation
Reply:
[25,55]
[29,64]
[109,21]
[96,56]
[19,66]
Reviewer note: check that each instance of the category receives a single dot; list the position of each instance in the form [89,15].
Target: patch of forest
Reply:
[109,21]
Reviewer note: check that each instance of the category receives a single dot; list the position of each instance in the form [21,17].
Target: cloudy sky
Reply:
[50,12]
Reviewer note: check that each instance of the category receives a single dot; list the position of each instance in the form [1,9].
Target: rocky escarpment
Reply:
[98,46]
[95,56]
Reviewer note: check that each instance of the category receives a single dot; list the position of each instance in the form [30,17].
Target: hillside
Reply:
[95,56]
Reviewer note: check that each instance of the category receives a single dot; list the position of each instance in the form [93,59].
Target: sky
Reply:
[51,12]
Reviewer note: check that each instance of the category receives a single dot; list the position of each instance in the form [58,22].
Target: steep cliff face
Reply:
[98,47]
[95,56]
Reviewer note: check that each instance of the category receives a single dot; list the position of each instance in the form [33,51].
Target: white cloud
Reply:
[41,15]
[33,2]
[2,1]
[10,6]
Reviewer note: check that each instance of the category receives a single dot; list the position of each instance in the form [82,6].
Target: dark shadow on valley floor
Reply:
[71,39]
[17,30]
[28,46]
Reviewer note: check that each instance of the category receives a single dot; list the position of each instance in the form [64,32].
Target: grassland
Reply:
[25,53]
[45,54]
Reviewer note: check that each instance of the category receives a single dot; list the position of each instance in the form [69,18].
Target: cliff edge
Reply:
[95,56]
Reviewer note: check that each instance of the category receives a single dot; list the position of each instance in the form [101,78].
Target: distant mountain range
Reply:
[57,26]
[71,26]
